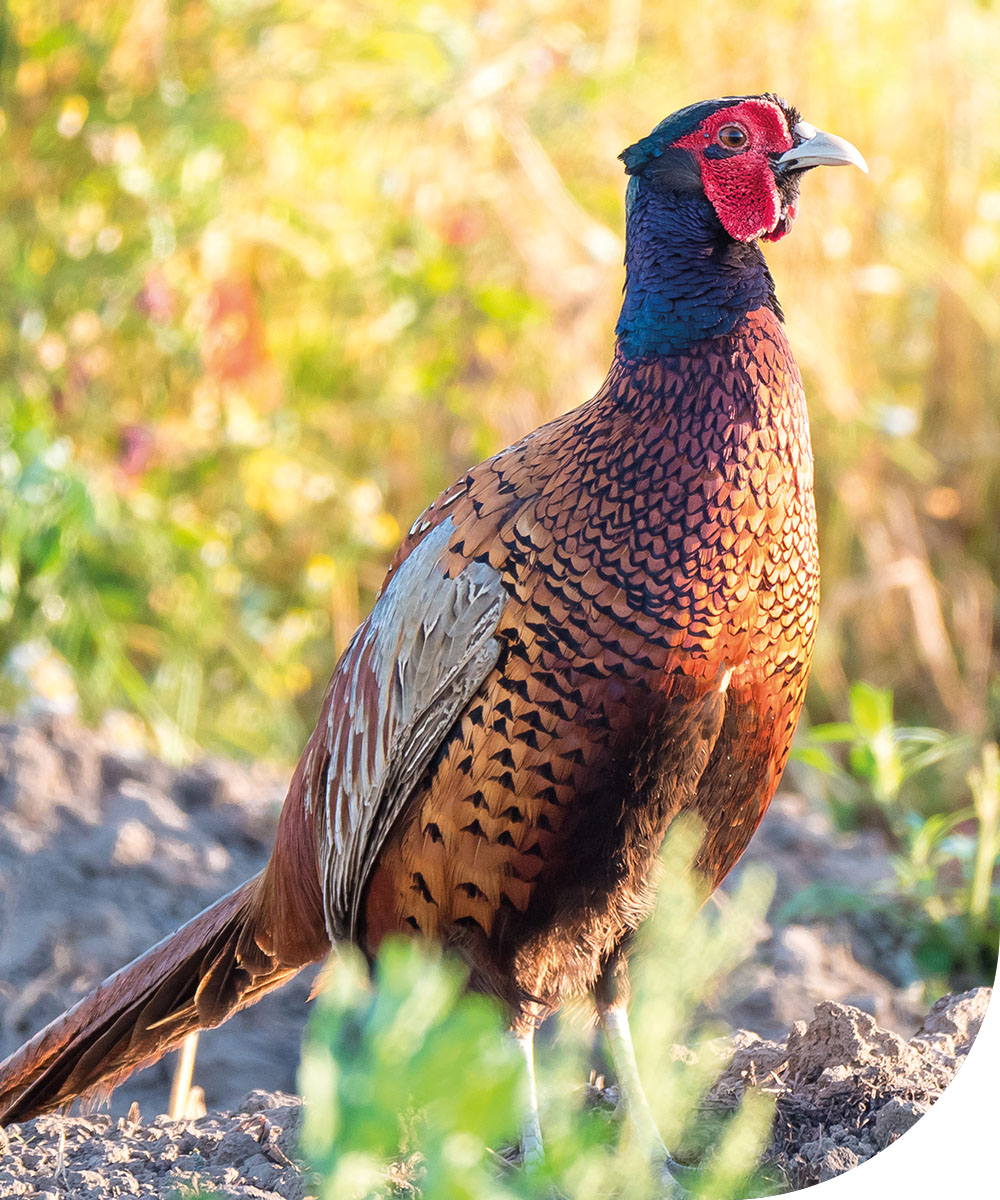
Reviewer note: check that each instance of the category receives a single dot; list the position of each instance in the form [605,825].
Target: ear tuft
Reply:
[641,153]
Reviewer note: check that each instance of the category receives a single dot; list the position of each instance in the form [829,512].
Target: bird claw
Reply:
[678,1178]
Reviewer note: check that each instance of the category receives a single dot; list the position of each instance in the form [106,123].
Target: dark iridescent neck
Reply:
[686,280]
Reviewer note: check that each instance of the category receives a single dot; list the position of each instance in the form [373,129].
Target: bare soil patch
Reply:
[845,1088]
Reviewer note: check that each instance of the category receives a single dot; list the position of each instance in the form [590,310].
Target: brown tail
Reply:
[193,979]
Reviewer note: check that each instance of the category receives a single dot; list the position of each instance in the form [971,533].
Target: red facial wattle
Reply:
[741,186]
[786,219]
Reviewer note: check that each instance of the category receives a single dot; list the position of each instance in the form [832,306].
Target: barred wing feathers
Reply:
[410,670]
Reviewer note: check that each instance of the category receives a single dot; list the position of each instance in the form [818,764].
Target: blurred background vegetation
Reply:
[275,273]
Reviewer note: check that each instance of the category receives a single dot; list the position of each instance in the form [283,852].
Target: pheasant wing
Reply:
[405,678]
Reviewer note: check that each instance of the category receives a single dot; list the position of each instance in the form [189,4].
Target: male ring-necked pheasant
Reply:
[607,623]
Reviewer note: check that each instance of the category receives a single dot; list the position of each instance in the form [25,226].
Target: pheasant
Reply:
[604,625]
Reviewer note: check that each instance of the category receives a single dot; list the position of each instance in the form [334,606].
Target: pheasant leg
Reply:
[614,1021]
[532,1150]
[611,994]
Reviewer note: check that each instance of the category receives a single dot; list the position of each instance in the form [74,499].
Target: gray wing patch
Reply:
[410,670]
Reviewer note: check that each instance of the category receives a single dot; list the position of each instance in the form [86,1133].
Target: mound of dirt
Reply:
[851,957]
[845,1088]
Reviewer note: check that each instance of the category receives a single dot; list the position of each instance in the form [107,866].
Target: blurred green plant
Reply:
[945,892]
[409,1067]
[410,1079]
[882,756]
[76,587]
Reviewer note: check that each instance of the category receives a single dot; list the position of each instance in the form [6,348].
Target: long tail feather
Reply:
[194,979]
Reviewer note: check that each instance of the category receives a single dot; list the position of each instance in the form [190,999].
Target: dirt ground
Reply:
[102,853]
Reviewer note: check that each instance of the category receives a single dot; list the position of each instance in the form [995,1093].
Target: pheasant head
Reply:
[704,186]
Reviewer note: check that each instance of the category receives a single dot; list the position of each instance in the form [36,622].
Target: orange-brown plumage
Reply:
[634,495]
[606,624]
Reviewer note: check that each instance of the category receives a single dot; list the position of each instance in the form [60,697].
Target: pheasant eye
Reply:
[733,137]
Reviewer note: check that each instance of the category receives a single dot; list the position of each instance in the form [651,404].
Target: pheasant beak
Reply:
[814,148]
